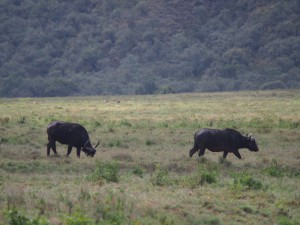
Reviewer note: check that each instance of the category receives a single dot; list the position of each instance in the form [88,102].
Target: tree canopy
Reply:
[90,47]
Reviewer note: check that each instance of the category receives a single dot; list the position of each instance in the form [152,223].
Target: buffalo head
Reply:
[89,150]
[251,143]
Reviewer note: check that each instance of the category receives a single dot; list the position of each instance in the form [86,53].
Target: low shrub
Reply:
[246,181]
[204,220]
[78,219]
[208,177]
[108,171]
[208,172]
[22,120]
[274,170]
[138,171]
[112,210]
[149,142]
[283,220]
[160,177]
[114,143]
[14,217]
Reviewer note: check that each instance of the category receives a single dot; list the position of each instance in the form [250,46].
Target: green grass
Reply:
[141,173]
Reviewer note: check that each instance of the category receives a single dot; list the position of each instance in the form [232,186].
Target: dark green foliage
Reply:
[161,176]
[247,181]
[283,220]
[208,177]
[138,171]
[14,217]
[108,171]
[277,170]
[79,47]
[149,142]
[208,172]
[273,85]
[204,220]
[78,219]
[113,210]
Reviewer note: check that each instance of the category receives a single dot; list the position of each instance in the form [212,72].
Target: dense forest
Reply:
[99,47]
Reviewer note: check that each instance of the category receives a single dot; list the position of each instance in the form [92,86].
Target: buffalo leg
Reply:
[201,152]
[48,149]
[237,154]
[69,150]
[50,145]
[225,154]
[193,151]
[54,148]
[78,152]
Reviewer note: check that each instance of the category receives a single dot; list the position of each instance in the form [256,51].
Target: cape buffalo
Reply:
[227,140]
[71,134]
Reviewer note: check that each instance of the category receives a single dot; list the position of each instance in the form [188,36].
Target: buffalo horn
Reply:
[97,144]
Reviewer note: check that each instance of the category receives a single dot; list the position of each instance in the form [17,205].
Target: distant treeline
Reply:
[90,47]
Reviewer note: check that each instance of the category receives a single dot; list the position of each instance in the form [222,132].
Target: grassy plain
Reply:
[141,173]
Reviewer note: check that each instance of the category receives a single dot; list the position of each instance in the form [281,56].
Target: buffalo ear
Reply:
[251,138]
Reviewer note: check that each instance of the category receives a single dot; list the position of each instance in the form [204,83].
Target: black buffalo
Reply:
[227,140]
[71,134]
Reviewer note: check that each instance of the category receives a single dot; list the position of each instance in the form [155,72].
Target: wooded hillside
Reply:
[91,47]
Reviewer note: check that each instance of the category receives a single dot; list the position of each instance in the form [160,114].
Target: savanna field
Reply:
[142,173]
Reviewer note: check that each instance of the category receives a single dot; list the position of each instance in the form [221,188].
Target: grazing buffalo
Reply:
[227,140]
[71,134]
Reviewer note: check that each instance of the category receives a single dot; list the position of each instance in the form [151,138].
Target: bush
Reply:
[112,210]
[13,217]
[204,220]
[165,90]
[108,171]
[208,177]
[78,219]
[246,181]
[273,85]
[141,9]
[160,177]
[274,170]
[207,171]
[149,142]
[138,171]
[283,220]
